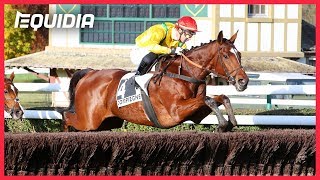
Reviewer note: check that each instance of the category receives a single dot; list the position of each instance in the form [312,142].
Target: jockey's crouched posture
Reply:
[165,38]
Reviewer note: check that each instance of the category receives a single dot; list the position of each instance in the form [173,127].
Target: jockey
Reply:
[165,38]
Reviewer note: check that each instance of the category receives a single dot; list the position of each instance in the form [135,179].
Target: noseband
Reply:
[228,76]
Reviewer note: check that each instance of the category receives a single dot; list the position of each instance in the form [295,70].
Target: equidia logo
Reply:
[58,21]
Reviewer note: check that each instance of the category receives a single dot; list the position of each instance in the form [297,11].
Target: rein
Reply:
[201,67]
[178,76]
[228,77]
[185,78]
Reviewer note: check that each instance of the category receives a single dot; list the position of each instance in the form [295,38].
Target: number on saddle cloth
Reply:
[127,92]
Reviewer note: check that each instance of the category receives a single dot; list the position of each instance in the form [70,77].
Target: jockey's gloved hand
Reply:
[176,50]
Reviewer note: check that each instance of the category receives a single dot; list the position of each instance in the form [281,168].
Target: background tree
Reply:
[20,41]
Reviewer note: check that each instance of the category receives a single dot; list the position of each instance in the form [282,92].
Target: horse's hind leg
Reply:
[68,119]
[223,123]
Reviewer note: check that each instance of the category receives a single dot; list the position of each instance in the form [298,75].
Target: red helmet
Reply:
[188,23]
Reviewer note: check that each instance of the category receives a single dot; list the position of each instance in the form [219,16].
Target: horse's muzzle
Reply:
[241,84]
[16,114]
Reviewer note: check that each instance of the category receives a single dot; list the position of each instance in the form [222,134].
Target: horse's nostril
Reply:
[19,112]
[242,82]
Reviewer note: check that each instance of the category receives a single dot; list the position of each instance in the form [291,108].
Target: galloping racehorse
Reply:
[11,101]
[177,90]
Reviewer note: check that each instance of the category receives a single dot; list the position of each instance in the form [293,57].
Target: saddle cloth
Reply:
[128,92]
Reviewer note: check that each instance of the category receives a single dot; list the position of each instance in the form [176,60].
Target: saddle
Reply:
[133,89]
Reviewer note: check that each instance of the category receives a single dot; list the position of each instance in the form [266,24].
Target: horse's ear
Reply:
[220,37]
[12,76]
[234,37]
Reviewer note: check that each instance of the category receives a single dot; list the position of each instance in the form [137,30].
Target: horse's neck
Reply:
[203,57]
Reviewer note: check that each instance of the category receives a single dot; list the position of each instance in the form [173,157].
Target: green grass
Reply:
[33,99]
[32,125]
[27,78]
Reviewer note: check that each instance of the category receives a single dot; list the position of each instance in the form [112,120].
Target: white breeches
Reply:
[137,54]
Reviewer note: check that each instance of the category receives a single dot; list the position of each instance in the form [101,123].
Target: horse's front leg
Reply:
[223,125]
[223,99]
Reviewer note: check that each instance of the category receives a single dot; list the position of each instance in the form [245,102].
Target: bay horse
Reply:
[177,93]
[11,101]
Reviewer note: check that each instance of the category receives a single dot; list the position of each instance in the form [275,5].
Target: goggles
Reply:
[188,34]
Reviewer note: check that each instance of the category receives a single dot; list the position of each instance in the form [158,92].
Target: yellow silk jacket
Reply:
[157,39]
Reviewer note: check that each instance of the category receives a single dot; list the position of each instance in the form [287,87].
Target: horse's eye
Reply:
[5,91]
[225,56]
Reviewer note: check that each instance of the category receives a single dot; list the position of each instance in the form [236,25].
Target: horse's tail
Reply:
[73,83]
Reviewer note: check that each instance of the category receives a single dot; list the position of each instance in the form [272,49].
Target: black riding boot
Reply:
[146,63]
[143,68]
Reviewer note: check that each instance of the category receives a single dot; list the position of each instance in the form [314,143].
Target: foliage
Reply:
[22,41]
[32,125]
[18,41]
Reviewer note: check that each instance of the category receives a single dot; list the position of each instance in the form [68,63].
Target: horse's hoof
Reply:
[65,129]
[220,129]
[229,127]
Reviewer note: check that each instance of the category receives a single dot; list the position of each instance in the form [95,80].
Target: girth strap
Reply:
[185,78]
[149,110]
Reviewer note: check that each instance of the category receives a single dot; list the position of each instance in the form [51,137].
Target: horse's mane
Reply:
[193,48]
[188,51]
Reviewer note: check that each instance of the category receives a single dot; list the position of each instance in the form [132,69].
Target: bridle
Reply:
[228,76]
